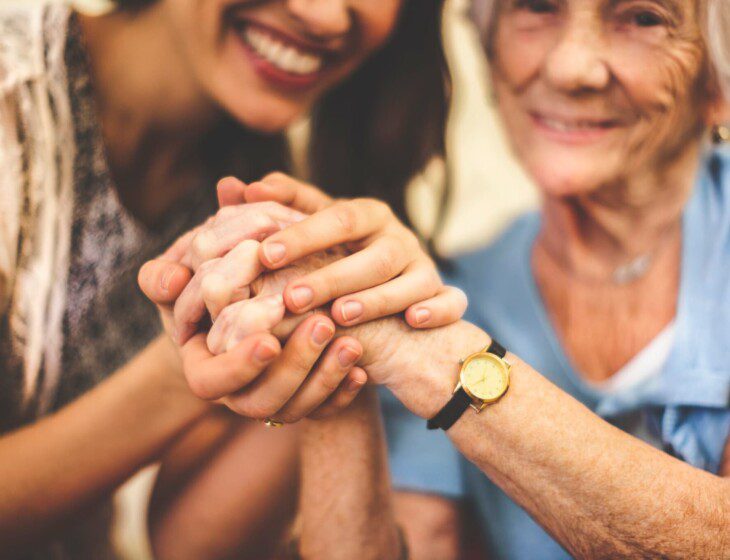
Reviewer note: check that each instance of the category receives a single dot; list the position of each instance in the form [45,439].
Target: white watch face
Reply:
[485,377]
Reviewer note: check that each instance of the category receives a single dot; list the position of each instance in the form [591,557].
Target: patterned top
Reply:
[107,319]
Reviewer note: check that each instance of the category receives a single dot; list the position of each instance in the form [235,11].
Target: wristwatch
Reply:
[483,379]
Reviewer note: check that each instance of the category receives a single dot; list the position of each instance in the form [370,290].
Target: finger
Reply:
[446,307]
[300,354]
[229,279]
[343,397]
[244,318]
[230,192]
[189,309]
[162,281]
[288,191]
[234,224]
[376,264]
[213,377]
[177,251]
[417,283]
[213,287]
[322,383]
[342,222]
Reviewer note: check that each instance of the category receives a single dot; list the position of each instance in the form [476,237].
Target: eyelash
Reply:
[537,6]
[651,15]
[650,18]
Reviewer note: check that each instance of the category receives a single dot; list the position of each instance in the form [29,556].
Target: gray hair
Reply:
[715,26]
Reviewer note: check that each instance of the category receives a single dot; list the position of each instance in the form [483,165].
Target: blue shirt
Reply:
[686,408]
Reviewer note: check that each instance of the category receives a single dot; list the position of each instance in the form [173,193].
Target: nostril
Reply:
[322,19]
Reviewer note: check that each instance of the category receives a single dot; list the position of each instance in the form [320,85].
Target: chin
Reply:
[266,116]
[554,179]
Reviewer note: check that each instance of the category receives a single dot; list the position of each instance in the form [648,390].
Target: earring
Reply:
[720,134]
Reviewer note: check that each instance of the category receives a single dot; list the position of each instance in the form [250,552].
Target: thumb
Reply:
[162,281]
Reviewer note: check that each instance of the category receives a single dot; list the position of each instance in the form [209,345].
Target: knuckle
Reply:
[207,267]
[377,305]
[227,213]
[327,285]
[432,281]
[330,382]
[301,362]
[346,217]
[275,176]
[384,263]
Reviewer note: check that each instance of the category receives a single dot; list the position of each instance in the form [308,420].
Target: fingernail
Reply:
[422,315]
[274,252]
[321,333]
[302,296]
[167,278]
[351,310]
[348,356]
[354,385]
[264,352]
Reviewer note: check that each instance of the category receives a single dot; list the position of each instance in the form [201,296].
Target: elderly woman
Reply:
[614,300]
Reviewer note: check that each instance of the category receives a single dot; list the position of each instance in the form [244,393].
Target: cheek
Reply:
[663,81]
[664,91]
[517,56]
[376,21]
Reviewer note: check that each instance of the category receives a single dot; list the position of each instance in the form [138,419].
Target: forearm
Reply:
[226,489]
[345,497]
[599,491]
[63,463]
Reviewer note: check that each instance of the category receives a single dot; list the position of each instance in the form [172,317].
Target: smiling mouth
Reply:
[573,130]
[280,53]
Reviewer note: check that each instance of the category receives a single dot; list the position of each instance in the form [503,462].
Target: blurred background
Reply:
[489,191]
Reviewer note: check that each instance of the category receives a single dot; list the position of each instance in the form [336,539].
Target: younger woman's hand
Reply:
[249,371]
[388,272]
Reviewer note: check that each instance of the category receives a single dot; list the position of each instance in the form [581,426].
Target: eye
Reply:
[538,6]
[647,19]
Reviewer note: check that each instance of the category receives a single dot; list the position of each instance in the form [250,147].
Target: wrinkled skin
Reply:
[638,65]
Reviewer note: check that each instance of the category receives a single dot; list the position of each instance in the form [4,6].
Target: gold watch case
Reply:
[485,378]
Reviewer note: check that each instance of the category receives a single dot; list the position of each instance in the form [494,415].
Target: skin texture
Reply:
[347,31]
[638,72]
[554,465]
[610,195]
[158,126]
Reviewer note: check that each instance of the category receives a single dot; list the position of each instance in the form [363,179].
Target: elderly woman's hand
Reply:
[388,272]
[305,378]
[249,371]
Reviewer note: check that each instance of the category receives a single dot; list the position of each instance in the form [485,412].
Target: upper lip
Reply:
[298,41]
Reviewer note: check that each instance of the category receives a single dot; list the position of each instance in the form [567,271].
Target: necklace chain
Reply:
[630,271]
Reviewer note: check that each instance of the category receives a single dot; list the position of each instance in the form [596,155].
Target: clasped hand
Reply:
[259,273]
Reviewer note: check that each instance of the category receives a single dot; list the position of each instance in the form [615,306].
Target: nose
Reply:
[578,61]
[324,19]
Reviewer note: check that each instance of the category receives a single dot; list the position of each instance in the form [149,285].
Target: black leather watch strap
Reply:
[497,349]
[451,412]
[460,401]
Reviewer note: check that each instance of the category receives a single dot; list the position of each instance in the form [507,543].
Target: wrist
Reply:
[171,382]
[421,368]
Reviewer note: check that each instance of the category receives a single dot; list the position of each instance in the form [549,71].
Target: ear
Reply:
[717,110]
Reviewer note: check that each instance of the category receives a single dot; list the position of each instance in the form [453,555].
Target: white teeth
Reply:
[281,55]
[564,126]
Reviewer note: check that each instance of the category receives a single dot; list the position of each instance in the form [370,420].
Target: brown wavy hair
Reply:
[373,132]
